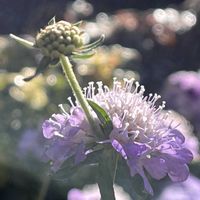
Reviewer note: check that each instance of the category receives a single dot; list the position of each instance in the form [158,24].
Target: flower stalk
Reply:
[70,76]
[44,187]
[106,175]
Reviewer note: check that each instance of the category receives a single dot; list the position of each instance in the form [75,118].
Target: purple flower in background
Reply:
[31,143]
[191,141]
[182,92]
[140,133]
[188,190]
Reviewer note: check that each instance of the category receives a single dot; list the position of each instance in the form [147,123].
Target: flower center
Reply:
[130,109]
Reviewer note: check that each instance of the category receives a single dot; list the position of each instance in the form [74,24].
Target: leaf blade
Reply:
[77,55]
[52,21]
[22,41]
[94,44]
[42,66]
[106,122]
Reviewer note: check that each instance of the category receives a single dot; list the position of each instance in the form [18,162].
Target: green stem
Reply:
[44,188]
[67,68]
[115,166]
[106,175]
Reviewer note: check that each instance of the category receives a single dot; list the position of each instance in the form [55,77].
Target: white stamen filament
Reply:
[138,113]
[71,102]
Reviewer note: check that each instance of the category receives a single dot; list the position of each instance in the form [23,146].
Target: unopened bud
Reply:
[55,54]
[59,38]
[45,51]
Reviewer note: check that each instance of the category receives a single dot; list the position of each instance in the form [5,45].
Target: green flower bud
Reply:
[70,48]
[76,40]
[68,40]
[52,36]
[61,28]
[49,47]
[55,44]
[62,48]
[72,33]
[40,42]
[76,29]
[47,40]
[45,51]
[64,23]
[67,33]
[55,54]
[59,38]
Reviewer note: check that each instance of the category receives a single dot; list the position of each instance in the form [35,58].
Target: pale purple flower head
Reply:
[182,93]
[140,133]
[68,135]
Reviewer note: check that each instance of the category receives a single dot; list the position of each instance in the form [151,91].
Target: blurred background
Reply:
[156,42]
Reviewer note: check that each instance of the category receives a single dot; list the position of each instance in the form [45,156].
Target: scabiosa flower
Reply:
[182,92]
[139,134]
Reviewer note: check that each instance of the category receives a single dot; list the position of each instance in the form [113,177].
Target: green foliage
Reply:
[41,68]
[22,41]
[106,122]
[52,21]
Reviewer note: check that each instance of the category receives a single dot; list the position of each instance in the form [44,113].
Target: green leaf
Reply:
[77,55]
[42,66]
[78,23]
[52,21]
[67,169]
[94,44]
[106,122]
[22,41]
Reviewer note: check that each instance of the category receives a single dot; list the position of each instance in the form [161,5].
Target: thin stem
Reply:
[115,168]
[106,173]
[44,188]
[67,68]
[105,182]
